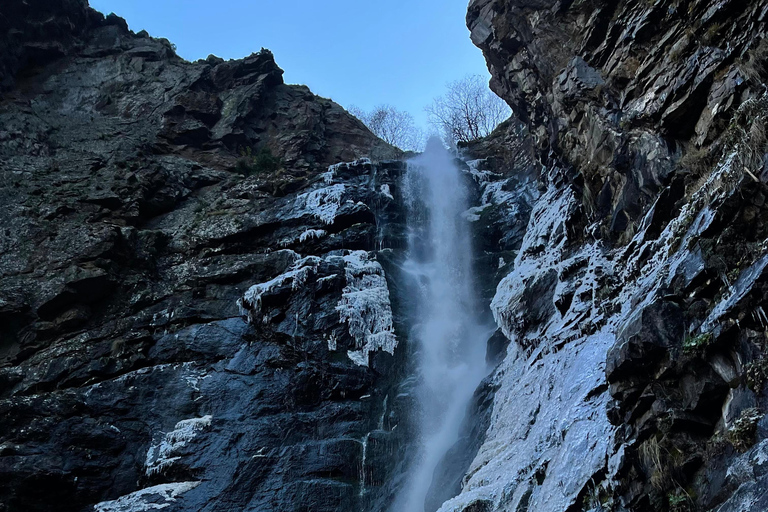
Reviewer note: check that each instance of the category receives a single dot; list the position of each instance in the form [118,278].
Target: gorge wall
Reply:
[201,307]
[142,197]
[634,305]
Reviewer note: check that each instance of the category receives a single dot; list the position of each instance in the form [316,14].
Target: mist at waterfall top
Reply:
[397,52]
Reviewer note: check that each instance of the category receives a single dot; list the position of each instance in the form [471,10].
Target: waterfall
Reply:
[449,337]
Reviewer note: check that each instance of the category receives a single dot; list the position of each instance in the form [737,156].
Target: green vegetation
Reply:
[678,502]
[742,433]
[697,343]
[757,375]
[261,162]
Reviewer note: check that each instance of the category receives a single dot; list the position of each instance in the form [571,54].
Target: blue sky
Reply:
[356,52]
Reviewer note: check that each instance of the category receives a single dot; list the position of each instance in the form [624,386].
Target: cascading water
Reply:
[449,337]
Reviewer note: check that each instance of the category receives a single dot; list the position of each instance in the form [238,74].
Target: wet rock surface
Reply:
[143,196]
[632,303]
[201,306]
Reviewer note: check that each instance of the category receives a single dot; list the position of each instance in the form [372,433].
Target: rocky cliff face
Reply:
[200,306]
[635,375]
[190,317]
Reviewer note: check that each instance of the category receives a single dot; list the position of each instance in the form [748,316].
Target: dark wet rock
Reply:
[447,480]
[135,215]
[641,344]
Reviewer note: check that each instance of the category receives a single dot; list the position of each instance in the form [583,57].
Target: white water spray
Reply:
[450,338]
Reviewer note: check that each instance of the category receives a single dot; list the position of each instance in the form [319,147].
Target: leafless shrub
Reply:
[393,126]
[753,65]
[468,111]
[696,160]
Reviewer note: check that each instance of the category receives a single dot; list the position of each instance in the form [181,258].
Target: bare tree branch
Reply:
[468,110]
[393,126]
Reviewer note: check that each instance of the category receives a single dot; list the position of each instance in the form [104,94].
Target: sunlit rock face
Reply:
[633,379]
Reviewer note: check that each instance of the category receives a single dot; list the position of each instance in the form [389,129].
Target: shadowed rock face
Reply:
[139,204]
[614,88]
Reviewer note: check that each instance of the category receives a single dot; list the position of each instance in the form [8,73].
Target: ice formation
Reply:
[163,454]
[560,427]
[330,175]
[296,276]
[312,234]
[365,307]
[541,252]
[364,304]
[492,190]
[323,203]
[147,499]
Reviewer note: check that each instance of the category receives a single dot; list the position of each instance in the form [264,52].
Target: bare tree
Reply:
[469,110]
[391,125]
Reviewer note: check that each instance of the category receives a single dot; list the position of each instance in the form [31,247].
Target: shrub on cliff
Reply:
[393,126]
[260,162]
[468,111]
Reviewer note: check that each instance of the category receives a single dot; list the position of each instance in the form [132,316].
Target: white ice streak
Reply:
[365,307]
[147,499]
[322,203]
[165,453]
[296,276]
[330,175]
[541,251]
[491,186]
[312,234]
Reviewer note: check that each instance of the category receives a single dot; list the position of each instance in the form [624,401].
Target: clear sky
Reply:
[356,52]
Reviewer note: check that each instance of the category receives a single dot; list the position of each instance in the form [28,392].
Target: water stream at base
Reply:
[449,335]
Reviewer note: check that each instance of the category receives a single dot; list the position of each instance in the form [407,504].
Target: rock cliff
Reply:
[143,198]
[634,376]
[200,300]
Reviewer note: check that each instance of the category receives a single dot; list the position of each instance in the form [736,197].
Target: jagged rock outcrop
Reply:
[143,197]
[633,379]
